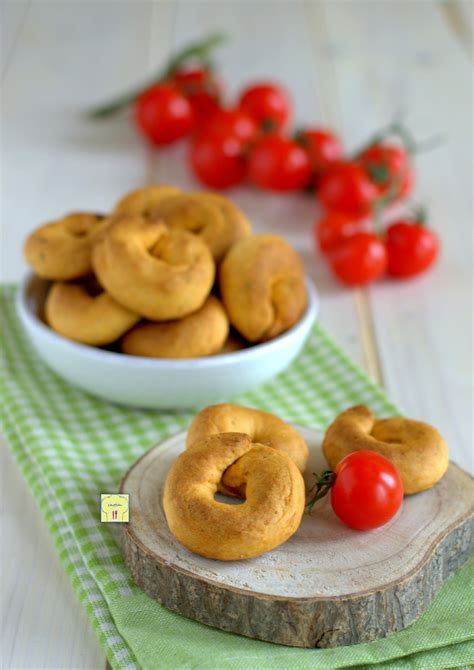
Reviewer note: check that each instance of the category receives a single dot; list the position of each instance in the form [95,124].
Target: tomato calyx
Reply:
[378,172]
[323,484]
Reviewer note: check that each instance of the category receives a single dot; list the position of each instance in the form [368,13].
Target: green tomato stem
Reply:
[322,486]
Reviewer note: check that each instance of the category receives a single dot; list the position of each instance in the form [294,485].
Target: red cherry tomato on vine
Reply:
[204,106]
[324,148]
[279,164]
[217,159]
[411,248]
[367,491]
[163,114]
[193,79]
[269,104]
[234,122]
[389,165]
[335,227]
[347,188]
[359,259]
[202,89]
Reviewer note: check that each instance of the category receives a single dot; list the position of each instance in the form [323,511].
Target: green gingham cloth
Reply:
[71,447]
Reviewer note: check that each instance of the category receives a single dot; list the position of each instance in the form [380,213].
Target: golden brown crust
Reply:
[159,273]
[61,250]
[217,221]
[262,286]
[415,448]
[261,427]
[201,333]
[91,319]
[270,514]
[144,201]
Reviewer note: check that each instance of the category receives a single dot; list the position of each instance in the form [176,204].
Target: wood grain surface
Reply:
[327,585]
[349,64]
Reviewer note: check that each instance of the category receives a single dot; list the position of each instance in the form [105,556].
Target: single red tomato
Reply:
[324,148]
[217,159]
[367,491]
[347,188]
[203,90]
[194,79]
[335,227]
[389,166]
[163,114]
[359,259]
[234,122]
[204,106]
[269,104]
[278,164]
[411,248]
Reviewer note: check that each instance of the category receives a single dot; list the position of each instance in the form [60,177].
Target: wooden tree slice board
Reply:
[326,586]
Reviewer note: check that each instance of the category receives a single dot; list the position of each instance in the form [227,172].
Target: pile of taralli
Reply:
[167,274]
[252,455]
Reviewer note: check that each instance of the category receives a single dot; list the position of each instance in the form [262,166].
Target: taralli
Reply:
[144,201]
[415,448]
[272,510]
[213,218]
[61,250]
[87,317]
[159,273]
[201,333]
[262,286]
[261,427]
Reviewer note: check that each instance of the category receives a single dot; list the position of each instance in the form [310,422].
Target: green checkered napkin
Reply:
[72,447]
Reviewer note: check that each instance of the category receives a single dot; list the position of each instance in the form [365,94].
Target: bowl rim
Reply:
[32,322]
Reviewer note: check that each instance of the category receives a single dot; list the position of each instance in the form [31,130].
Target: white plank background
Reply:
[351,64]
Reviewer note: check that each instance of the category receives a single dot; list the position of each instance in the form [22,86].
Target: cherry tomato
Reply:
[359,259]
[204,106]
[163,114]
[411,248]
[335,227]
[202,89]
[279,164]
[267,103]
[217,159]
[234,122]
[347,188]
[194,79]
[367,491]
[324,148]
[389,165]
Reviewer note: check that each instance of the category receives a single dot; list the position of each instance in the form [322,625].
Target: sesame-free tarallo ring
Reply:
[144,201]
[217,221]
[61,250]
[269,515]
[261,427]
[158,272]
[202,333]
[417,449]
[82,315]
[262,286]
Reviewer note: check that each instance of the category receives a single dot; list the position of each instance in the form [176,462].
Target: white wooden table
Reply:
[350,64]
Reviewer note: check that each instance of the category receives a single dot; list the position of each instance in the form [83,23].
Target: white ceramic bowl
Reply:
[159,383]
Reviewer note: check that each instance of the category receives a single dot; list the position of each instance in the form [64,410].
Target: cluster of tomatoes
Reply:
[250,142]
